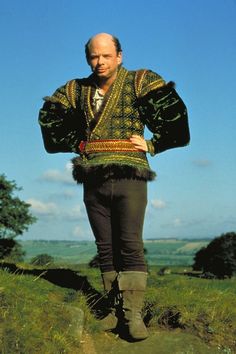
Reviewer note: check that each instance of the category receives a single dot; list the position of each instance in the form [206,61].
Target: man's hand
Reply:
[139,142]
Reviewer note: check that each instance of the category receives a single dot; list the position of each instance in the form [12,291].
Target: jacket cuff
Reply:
[151,148]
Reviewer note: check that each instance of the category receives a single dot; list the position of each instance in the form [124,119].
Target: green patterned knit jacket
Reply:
[136,98]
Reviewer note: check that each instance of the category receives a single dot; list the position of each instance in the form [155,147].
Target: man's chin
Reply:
[101,74]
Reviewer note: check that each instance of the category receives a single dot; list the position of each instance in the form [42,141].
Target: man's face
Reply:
[103,57]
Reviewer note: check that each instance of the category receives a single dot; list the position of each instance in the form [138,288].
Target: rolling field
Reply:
[158,252]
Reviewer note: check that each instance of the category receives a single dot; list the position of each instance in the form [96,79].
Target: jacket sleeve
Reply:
[165,114]
[59,122]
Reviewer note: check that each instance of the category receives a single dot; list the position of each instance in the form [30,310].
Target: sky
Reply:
[192,43]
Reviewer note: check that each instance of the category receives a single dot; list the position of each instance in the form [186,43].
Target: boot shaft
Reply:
[109,278]
[132,286]
[132,280]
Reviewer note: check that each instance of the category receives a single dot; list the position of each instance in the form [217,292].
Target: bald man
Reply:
[102,119]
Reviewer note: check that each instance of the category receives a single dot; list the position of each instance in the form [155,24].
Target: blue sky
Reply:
[190,42]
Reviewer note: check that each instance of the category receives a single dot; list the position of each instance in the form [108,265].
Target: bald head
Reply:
[105,38]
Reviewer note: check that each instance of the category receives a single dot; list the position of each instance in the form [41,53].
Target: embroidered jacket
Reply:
[69,123]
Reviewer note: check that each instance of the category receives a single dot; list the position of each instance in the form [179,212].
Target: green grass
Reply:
[203,307]
[36,316]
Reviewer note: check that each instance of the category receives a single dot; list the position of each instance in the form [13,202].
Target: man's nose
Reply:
[100,60]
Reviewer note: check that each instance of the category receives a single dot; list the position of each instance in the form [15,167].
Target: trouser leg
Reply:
[116,212]
[129,204]
[97,202]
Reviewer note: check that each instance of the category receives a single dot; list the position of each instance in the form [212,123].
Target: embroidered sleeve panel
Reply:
[71,92]
[59,96]
[65,95]
[165,115]
[60,121]
[146,81]
[139,75]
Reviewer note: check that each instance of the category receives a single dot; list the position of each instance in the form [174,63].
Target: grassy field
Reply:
[42,311]
[159,252]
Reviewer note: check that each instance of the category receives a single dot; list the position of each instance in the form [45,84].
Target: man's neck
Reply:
[105,84]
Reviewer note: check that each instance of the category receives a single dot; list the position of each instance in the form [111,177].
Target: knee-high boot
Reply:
[109,322]
[132,285]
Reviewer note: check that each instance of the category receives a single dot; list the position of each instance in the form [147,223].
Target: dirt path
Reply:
[159,342]
[87,345]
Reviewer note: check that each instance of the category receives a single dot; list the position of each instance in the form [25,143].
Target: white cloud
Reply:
[78,231]
[57,176]
[64,194]
[202,162]
[69,166]
[77,212]
[174,223]
[177,222]
[42,208]
[158,204]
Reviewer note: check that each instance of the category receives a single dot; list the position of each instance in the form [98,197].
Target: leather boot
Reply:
[109,322]
[132,285]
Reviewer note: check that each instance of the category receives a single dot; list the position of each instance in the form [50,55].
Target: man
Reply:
[102,118]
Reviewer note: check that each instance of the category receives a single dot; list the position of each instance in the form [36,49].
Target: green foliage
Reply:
[219,257]
[42,260]
[11,250]
[15,217]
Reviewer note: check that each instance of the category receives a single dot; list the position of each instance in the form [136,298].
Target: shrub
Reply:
[219,257]
[11,249]
[42,260]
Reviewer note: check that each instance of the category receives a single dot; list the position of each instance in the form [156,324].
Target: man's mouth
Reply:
[100,70]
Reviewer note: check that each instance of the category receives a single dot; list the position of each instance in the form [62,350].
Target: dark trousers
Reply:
[116,210]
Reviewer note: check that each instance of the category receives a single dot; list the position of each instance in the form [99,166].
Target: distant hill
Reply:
[172,251]
[158,251]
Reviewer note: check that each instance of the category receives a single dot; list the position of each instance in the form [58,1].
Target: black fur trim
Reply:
[101,173]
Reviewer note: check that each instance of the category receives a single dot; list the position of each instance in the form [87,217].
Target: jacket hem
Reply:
[102,172]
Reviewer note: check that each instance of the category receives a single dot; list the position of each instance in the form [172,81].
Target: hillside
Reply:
[53,311]
[158,252]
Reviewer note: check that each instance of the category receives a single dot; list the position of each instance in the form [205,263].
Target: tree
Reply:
[219,257]
[15,217]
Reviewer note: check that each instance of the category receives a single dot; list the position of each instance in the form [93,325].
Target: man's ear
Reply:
[119,58]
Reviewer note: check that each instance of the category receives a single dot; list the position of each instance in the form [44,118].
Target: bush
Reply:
[219,257]
[11,249]
[42,260]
